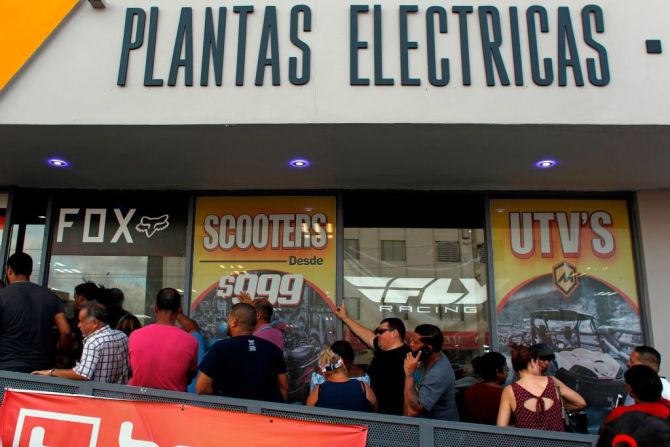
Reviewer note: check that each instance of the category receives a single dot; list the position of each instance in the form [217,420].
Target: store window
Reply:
[423,269]
[282,248]
[136,245]
[565,276]
[28,226]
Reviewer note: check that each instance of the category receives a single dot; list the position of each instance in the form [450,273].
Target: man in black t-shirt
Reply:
[28,312]
[244,366]
[387,375]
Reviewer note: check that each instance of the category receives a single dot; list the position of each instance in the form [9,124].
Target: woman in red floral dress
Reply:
[534,399]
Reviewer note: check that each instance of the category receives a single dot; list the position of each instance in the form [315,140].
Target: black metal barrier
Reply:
[383,430]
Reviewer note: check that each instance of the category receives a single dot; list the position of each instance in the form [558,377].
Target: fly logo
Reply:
[421,295]
[24,27]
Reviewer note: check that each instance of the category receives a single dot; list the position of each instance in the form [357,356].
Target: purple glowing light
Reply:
[546,164]
[299,163]
[58,163]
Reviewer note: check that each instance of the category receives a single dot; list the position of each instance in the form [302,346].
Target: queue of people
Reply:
[409,374]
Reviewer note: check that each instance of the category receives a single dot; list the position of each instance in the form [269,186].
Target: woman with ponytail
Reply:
[339,391]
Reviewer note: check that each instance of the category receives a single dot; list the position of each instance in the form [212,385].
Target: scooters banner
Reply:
[272,247]
[574,255]
[279,248]
[40,419]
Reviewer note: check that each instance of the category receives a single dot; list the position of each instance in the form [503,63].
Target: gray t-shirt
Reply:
[437,390]
[27,338]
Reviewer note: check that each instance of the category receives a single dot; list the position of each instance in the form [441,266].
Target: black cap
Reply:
[543,351]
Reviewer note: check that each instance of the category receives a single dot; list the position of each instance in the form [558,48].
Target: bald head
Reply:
[244,316]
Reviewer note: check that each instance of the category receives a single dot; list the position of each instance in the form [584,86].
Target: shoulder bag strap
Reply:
[564,413]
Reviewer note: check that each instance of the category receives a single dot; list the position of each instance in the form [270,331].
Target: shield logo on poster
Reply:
[566,278]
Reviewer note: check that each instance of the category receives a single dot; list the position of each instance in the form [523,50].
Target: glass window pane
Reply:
[136,245]
[27,229]
[565,275]
[417,286]
[32,244]
[406,278]
[282,248]
[139,277]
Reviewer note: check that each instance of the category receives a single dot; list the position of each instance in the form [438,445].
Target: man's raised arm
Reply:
[365,334]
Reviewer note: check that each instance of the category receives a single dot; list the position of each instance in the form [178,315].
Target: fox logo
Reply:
[150,225]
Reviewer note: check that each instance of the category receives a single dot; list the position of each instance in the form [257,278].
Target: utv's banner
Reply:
[279,248]
[35,419]
[565,269]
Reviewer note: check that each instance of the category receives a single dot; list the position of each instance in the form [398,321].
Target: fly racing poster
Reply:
[565,275]
[279,248]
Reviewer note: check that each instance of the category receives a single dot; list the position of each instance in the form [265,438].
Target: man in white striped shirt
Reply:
[105,354]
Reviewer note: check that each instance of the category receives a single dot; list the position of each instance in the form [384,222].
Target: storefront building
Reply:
[385,156]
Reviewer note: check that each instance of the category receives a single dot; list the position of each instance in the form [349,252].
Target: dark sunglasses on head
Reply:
[381,330]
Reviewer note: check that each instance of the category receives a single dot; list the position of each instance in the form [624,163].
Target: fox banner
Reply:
[46,419]
[565,276]
[279,248]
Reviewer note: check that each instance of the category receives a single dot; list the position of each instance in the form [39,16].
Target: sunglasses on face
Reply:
[547,358]
[381,330]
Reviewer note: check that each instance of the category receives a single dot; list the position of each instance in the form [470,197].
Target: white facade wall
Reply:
[73,78]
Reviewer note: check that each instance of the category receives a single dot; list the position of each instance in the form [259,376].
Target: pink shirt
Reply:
[271,334]
[162,356]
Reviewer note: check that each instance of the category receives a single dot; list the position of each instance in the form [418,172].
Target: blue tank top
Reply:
[349,395]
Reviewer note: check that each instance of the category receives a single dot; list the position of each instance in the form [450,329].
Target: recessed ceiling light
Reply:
[299,163]
[58,163]
[545,164]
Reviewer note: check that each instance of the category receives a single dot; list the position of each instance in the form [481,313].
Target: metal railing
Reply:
[383,430]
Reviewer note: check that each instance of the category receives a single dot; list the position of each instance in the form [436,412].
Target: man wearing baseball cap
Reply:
[546,358]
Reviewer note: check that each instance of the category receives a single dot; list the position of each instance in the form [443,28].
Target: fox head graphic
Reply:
[150,225]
